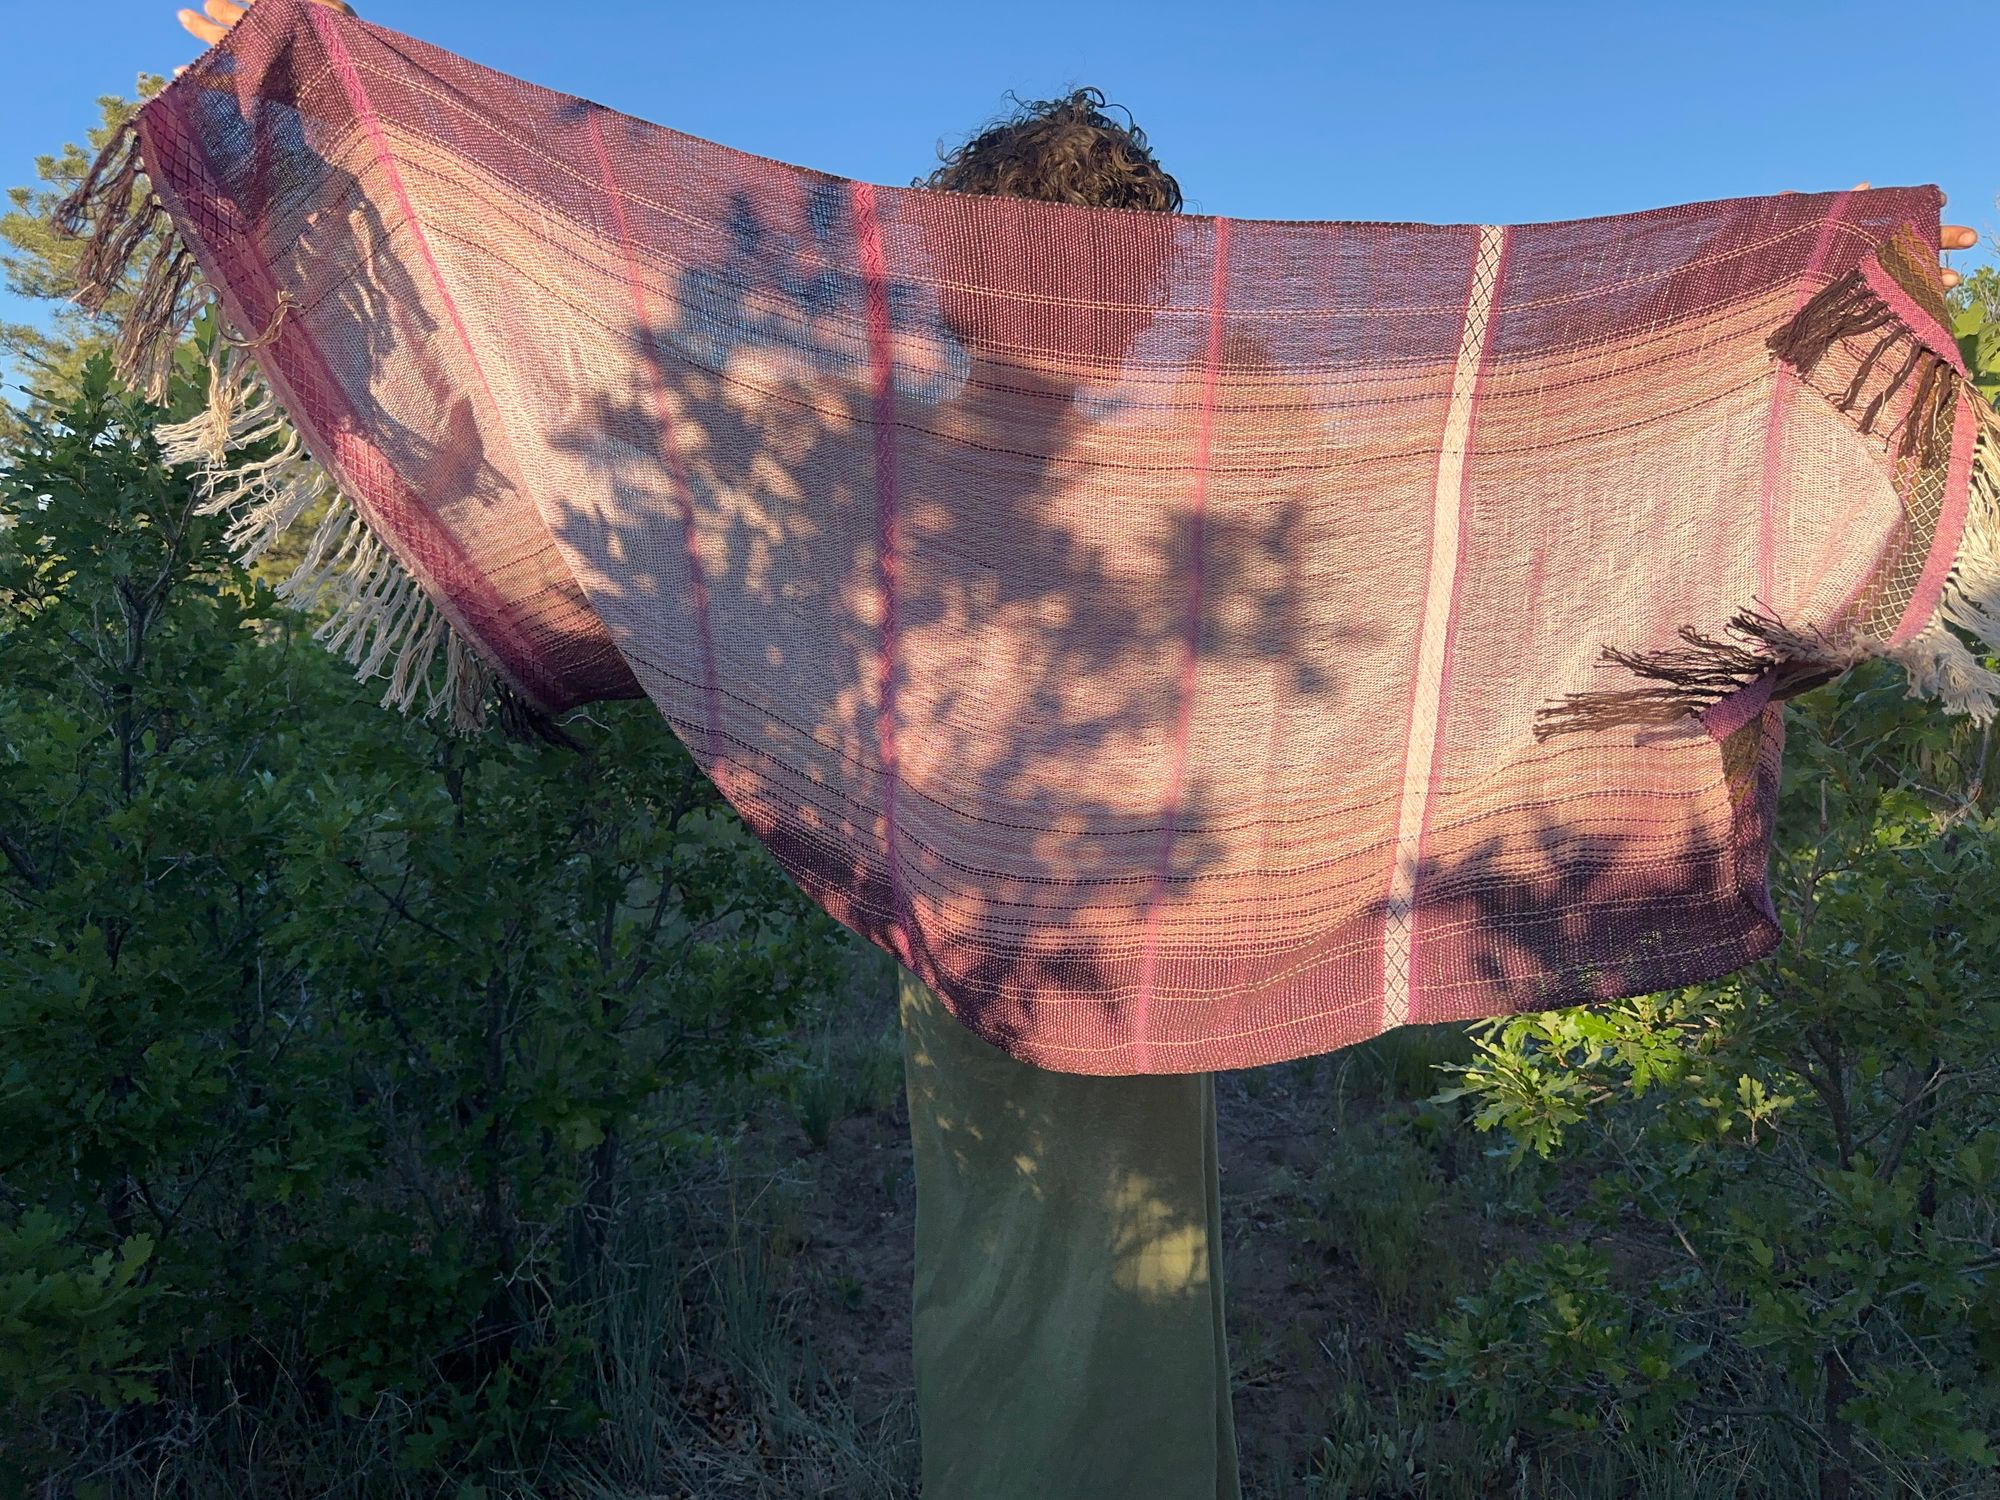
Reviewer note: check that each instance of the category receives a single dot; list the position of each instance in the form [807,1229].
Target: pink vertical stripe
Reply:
[717,766]
[875,286]
[1191,654]
[1783,384]
[1479,381]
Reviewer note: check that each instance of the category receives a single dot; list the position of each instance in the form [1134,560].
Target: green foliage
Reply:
[1816,1137]
[1404,1063]
[1417,1451]
[66,1316]
[844,1072]
[1551,1344]
[1976,324]
[328,1042]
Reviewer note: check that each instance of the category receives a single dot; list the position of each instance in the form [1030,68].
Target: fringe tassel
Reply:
[381,622]
[467,685]
[1847,308]
[1937,662]
[1680,681]
[522,721]
[1705,671]
[125,223]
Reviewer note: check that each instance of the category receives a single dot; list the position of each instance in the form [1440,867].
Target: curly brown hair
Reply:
[1065,150]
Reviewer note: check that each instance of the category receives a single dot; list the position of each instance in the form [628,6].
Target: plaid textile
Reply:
[1181,641]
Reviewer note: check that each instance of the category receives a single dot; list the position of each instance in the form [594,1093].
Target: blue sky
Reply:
[1444,112]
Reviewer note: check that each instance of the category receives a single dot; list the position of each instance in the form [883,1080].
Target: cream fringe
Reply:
[1937,662]
[382,622]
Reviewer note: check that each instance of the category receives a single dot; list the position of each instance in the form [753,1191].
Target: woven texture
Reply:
[1138,624]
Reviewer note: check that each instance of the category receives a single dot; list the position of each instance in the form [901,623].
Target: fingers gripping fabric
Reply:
[1185,643]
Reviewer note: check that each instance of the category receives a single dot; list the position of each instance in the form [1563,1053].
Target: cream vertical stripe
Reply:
[1425,698]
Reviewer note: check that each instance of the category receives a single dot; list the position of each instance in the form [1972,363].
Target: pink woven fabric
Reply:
[1135,623]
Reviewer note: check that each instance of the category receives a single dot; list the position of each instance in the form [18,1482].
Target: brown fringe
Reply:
[104,200]
[1844,308]
[1912,263]
[1936,662]
[1847,308]
[124,222]
[1700,674]
[1926,426]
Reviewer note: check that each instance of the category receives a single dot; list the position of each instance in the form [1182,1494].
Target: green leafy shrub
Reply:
[1803,1159]
[847,1069]
[328,1042]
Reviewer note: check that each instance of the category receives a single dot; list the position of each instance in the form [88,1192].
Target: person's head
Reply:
[1065,150]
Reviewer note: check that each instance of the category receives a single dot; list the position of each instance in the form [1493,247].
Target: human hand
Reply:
[222,15]
[1950,237]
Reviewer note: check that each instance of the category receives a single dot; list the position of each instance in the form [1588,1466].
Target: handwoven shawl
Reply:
[1183,642]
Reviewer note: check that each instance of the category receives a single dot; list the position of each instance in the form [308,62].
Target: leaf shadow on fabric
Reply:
[325,236]
[1552,911]
[1047,652]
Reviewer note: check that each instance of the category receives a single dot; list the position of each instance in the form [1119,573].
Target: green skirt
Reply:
[1069,1335]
